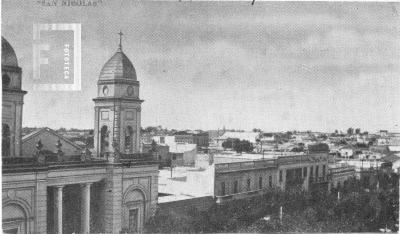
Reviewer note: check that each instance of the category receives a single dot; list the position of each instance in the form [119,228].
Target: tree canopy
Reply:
[356,210]
[238,145]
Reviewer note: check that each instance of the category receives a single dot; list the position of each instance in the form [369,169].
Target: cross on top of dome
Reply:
[120,39]
[118,66]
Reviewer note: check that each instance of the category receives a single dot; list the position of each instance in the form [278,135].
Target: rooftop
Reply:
[185,182]
[51,162]
[236,157]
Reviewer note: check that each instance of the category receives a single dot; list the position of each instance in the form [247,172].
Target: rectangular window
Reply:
[223,188]
[323,170]
[270,181]
[162,140]
[316,171]
[260,183]
[305,172]
[248,184]
[311,171]
[104,115]
[280,176]
[129,115]
[235,186]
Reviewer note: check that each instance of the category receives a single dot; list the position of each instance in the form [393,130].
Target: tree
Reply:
[350,131]
[323,136]
[297,149]
[242,146]
[358,131]
[153,148]
[321,147]
[317,211]
[372,141]
[228,144]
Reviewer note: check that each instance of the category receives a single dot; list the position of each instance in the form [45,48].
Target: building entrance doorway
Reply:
[133,220]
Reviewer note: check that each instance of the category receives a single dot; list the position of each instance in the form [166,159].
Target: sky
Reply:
[276,66]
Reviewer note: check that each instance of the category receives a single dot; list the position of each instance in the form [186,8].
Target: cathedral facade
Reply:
[112,190]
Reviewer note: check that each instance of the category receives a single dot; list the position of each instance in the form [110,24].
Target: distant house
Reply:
[184,137]
[383,141]
[383,149]
[268,138]
[161,153]
[164,140]
[383,133]
[49,139]
[393,161]
[394,148]
[201,139]
[346,151]
[247,136]
[183,154]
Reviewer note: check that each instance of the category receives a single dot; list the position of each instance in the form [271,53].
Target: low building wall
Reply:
[179,206]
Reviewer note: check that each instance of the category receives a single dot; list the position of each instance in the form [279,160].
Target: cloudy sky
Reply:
[275,65]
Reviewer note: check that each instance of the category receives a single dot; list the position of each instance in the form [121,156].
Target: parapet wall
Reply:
[180,206]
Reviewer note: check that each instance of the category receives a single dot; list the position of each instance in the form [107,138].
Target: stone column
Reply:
[59,209]
[85,208]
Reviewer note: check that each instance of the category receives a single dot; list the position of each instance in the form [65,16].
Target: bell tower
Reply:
[13,100]
[117,107]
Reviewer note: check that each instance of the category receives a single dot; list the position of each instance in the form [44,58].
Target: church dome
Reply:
[8,57]
[118,67]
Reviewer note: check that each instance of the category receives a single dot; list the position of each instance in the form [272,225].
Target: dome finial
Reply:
[120,39]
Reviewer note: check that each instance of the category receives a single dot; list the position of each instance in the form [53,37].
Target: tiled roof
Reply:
[118,67]
[8,56]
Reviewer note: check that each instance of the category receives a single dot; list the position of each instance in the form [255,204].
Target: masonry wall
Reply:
[242,177]
[24,197]
[181,206]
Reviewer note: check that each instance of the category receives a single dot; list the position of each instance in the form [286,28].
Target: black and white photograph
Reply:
[186,116]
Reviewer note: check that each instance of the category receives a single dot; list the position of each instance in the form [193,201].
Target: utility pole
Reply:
[172,164]
[262,149]
[171,169]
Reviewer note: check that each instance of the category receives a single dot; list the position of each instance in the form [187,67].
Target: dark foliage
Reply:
[320,147]
[347,209]
[238,145]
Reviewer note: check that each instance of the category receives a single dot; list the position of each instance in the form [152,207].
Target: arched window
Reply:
[103,139]
[128,139]
[134,211]
[16,219]
[6,140]
[6,80]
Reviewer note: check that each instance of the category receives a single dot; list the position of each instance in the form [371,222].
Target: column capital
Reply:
[59,186]
[86,184]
